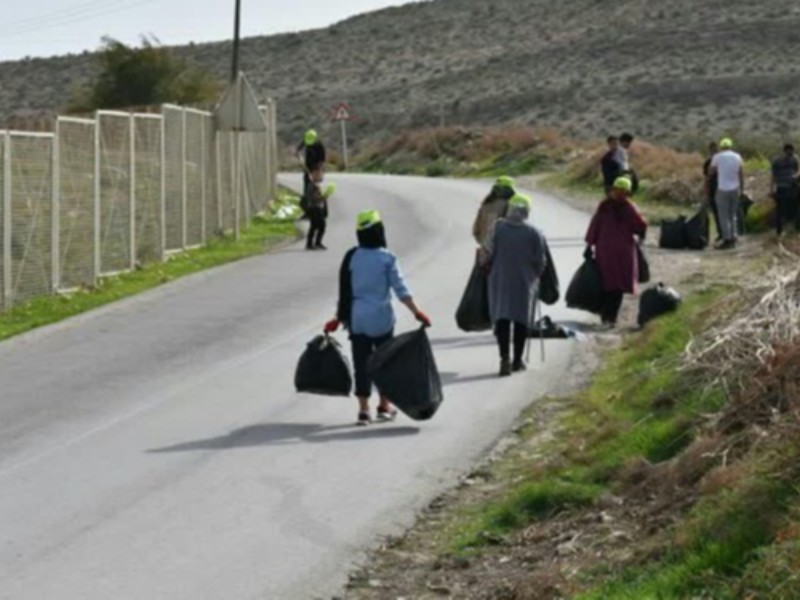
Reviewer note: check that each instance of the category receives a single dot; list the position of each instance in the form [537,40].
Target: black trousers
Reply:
[363,346]
[502,330]
[316,230]
[612,302]
[712,203]
[786,209]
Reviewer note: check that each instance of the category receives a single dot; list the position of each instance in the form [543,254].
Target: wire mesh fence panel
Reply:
[255,171]
[115,192]
[148,189]
[2,219]
[272,130]
[194,178]
[127,188]
[226,176]
[213,221]
[173,171]
[76,167]
[271,150]
[31,180]
[240,199]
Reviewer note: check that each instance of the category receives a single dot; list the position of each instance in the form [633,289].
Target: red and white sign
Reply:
[343,112]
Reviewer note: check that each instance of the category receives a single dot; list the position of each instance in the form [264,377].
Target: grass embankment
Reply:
[467,152]
[671,178]
[264,233]
[706,466]
[614,421]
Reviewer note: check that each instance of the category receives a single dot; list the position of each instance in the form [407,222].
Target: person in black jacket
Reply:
[317,209]
[609,165]
[784,189]
[711,186]
[311,153]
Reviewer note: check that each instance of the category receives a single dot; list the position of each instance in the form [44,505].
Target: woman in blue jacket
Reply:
[368,275]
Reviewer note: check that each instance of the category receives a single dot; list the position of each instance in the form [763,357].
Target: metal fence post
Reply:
[163,202]
[7,222]
[56,213]
[97,192]
[132,194]
[273,124]
[203,158]
[218,167]
[184,211]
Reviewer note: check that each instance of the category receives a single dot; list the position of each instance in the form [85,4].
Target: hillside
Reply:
[661,69]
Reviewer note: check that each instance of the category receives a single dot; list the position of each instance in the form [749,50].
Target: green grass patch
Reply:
[726,536]
[638,407]
[263,234]
[528,502]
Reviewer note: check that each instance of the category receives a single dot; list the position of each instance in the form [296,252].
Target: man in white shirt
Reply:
[728,166]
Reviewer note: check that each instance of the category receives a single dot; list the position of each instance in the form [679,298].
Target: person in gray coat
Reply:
[516,260]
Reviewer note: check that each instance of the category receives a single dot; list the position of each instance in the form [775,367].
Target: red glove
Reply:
[423,318]
[331,326]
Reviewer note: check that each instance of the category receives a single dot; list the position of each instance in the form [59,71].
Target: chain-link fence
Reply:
[105,195]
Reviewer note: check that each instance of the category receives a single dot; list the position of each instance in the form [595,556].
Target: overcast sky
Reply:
[50,27]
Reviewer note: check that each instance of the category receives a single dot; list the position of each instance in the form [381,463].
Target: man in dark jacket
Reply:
[609,165]
[785,188]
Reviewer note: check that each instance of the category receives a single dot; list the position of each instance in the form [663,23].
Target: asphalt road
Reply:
[156,449]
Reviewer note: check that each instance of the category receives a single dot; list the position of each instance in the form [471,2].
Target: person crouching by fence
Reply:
[515,257]
[610,238]
[316,207]
[368,275]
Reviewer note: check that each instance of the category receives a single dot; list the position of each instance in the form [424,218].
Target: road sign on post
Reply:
[343,113]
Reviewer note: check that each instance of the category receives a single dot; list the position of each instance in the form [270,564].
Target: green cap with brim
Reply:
[726,143]
[367,219]
[310,137]
[520,201]
[505,181]
[623,183]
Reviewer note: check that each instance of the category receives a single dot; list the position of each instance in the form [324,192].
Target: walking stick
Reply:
[541,324]
[535,309]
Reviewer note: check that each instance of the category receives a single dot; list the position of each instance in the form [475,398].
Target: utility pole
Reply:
[237,24]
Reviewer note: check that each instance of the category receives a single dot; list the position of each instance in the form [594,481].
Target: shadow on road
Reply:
[450,379]
[289,433]
[462,341]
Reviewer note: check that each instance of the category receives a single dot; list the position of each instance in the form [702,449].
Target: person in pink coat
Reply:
[612,239]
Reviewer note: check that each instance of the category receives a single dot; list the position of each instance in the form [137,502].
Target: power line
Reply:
[72,18]
[56,14]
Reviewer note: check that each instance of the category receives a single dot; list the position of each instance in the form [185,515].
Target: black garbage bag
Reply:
[549,288]
[473,310]
[585,291]
[656,301]
[644,264]
[404,370]
[673,233]
[323,369]
[548,329]
[698,231]
[745,203]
